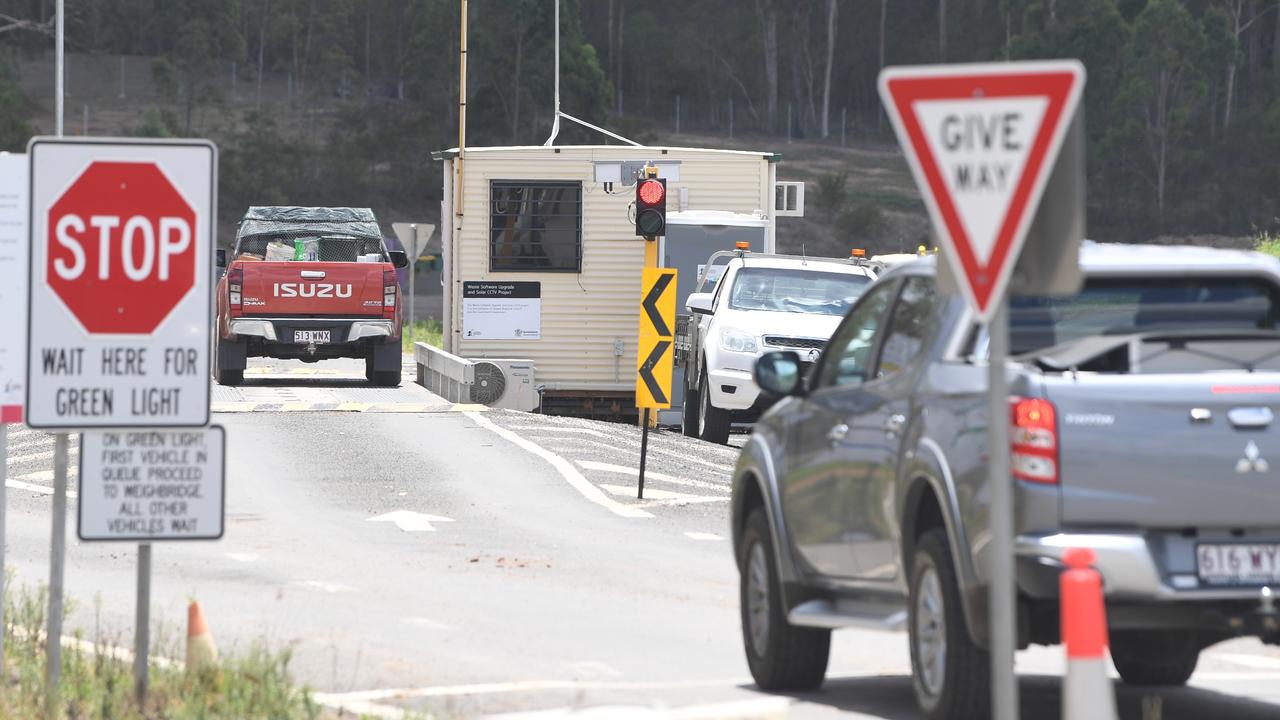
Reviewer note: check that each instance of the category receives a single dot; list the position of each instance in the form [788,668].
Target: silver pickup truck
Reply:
[1142,425]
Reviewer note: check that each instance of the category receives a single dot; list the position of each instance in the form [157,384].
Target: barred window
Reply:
[535,226]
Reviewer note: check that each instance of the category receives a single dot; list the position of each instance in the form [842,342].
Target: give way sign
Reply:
[981,141]
[120,272]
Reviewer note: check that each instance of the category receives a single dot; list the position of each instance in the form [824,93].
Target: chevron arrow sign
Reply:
[657,320]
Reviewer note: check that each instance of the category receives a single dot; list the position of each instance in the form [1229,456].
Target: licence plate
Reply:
[1239,564]
[311,336]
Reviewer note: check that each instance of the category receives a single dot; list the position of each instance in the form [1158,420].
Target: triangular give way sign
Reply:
[982,141]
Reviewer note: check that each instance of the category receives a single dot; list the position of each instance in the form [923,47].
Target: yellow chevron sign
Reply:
[657,336]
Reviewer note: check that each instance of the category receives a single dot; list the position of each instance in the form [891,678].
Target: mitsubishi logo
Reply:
[1252,460]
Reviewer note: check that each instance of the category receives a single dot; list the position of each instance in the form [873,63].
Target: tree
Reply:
[833,9]
[1163,86]
[768,14]
[14,130]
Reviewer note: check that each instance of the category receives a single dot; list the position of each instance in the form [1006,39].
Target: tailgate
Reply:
[317,289]
[1169,451]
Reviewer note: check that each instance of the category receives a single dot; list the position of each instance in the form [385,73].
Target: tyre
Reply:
[1155,657]
[689,410]
[782,657]
[951,675]
[713,423]
[381,378]
[222,375]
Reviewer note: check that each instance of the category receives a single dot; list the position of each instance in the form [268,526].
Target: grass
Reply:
[430,332]
[1269,244]
[98,683]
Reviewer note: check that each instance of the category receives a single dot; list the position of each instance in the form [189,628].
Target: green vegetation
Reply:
[430,332]
[1269,244]
[98,683]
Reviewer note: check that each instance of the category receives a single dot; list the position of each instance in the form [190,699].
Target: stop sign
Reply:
[120,247]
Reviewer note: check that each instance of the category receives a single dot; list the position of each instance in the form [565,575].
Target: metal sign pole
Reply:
[59,70]
[413,270]
[644,453]
[57,559]
[142,626]
[1003,615]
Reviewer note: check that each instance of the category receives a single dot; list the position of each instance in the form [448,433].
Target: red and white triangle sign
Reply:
[982,141]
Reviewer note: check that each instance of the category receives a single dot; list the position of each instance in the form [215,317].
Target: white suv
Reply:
[759,303]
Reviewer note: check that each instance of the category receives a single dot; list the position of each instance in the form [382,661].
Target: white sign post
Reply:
[413,237]
[982,141]
[121,266]
[13,336]
[148,486]
[119,318]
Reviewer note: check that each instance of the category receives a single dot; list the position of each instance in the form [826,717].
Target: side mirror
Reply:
[222,257]
[778,374]
[700,303]
[399,258]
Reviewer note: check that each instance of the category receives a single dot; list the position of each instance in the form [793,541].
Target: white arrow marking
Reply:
[410,521]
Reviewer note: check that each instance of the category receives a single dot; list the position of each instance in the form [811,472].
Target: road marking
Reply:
[702,536]
[519,686]
[410,521]
[1254,662]
[591,667]
[540,428]
[425,623]
[360,407]
[768,708]
[42,489]
[47,475]
[649,493]
[564,467]
[243,557]
[648,474]
[328,587]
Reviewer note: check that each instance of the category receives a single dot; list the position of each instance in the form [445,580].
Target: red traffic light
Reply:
[651,192]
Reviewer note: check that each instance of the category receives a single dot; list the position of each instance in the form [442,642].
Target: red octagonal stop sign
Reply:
[121,247]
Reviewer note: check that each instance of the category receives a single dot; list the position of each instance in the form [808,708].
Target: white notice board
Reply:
[13,285]
[147,486]
[501,310]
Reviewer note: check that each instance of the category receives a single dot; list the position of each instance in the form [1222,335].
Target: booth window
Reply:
[535,226]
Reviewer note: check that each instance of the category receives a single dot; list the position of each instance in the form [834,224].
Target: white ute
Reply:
[759,303]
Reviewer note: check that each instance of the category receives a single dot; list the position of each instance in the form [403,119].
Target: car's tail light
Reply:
[390,286]
[1033,440]
[235,287]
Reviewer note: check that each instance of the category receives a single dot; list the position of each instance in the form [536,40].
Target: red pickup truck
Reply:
[309,284]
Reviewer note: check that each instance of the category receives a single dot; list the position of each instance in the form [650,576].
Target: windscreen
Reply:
[302,246]
[796,290]
[1127,306]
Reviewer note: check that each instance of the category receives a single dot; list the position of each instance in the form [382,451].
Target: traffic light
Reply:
[651,207]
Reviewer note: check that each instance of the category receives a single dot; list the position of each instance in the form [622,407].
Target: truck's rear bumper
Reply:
[1134,567]
[277,331]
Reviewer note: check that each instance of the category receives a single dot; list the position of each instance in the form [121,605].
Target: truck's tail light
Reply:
[390,286]
[1033,439]
[235,287]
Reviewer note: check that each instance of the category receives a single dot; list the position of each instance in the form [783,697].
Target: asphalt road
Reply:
[418,554]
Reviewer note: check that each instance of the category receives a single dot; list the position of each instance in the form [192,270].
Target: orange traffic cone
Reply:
[1086,692]
[201,652]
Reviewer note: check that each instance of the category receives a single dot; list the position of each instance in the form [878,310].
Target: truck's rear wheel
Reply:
[1155,657]
[225,376]
[950,673]
[713,423]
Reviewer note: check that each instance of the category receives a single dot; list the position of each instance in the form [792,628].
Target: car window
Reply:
[848,357]
[908,330]
[796,290]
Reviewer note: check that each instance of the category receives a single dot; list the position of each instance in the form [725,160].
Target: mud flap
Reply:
[386,357]
[232,355]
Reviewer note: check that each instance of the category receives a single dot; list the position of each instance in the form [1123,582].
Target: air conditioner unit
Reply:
[506,384]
